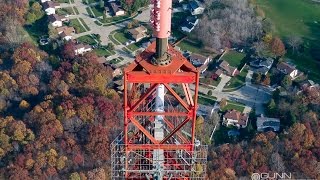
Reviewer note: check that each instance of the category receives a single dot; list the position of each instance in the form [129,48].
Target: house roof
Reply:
[101,60]
[194,5]
[114,7]
[54,18]
[285,67]
[188,25]
[198,57]
[236,115]
[192,19]
[79,46]
[218,72]
[226,67]
[138,32]
[49,4]
[67,30]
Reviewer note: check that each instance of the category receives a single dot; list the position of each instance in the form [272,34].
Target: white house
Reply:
[265,123]
[189,24]
[200,61]
[50,7]
[115,9]
[195,8]
[287,69]
[43,1]
[235,118]
[55,20]
[81,49]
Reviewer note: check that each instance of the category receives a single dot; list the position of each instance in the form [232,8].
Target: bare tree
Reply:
[294,42]
[228,22]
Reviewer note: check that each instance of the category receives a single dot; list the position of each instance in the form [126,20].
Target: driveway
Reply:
[224,80]
[105,31]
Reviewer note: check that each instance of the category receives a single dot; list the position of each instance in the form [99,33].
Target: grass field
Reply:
[234,58]
[121,37]
[114,19]
[194,47]
[300,18]
[102,52]
[87,39]
[206,100]
[77,26]
[233,105]
[238,80]
[97,11]
[85,25]
[65,11]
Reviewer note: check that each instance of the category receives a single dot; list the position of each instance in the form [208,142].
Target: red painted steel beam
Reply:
[168,147]
[144,96]
[158,113]
[184,104]
[143,130]
[174,131]
[171,127]
[144,77]
[188,94]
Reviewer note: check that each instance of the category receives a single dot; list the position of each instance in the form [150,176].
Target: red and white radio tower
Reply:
[158,141]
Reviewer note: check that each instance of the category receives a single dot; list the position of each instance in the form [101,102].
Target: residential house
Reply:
[235,118]
[138,33]
[200,61]
[55,20]
[117,72]
[204,111]
[227,69]
[81,49]
[287,69]
[43,1]
[262,65]
[265,124]
[216,74]
[195,8]
[118,85]
[115,9]
[101,60]
[189,24]
[50,7]
[66,33]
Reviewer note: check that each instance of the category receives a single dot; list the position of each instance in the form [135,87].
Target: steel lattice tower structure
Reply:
[158,141]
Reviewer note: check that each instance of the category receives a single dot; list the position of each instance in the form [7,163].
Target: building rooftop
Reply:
[54,17]
[236,115]
[285,67]
[198,57]
[49,4]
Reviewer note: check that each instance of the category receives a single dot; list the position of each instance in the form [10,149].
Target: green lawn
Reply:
[233,105]
[115,61]
[300,18]
[112,39]
[65,11]
[76,10]
[102,52]
[77,26]
[113,19]
[206,100]
[195,47]
[121,37]
[89,12]
[238,81]
[97,11]
[85,25]
[92,1]
[234,58]
[87,39]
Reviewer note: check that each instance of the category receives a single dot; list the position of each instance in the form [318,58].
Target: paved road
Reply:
[104,31]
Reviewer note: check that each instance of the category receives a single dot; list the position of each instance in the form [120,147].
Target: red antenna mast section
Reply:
[158,141]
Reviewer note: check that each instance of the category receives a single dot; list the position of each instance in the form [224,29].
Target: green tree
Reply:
[286,82]
[110,47]
[53,33]
[209,93]
[271,107]
[101,4]
[30,18]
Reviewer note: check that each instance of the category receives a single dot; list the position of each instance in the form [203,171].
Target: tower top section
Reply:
[161,18]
